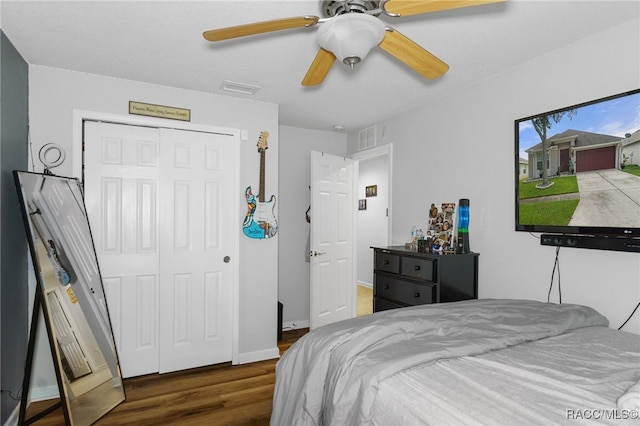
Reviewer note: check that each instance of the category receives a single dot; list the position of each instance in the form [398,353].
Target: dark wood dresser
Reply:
[403,277]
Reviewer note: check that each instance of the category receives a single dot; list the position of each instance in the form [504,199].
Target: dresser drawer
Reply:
[419,268]
[387,262]
[403,291]
[383,305]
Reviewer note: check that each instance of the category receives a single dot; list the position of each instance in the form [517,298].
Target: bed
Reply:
[488,361]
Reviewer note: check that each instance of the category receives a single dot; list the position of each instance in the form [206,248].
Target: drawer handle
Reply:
[416,268]
[385,262]
[417,294]
[386,286]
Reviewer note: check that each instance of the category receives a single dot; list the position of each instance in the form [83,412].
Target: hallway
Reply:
[365,300]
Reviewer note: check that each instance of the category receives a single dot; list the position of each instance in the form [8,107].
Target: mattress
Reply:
[574,378]
[472,362]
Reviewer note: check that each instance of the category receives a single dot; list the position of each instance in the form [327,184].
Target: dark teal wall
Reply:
[14,125]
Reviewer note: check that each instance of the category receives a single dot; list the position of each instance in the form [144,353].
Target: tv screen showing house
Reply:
[578,168]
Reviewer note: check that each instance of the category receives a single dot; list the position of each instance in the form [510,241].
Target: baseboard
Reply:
[36,394]
[44,393]
[248,357]
[367,285]
[14,417]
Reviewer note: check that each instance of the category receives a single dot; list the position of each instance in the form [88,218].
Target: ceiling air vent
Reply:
[233,86]
[367,138]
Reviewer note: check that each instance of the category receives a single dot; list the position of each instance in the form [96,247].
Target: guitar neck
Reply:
[261,189]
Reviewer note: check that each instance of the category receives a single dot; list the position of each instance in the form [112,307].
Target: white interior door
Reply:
[196,235]
[160,203]
[333,239]
[121,197]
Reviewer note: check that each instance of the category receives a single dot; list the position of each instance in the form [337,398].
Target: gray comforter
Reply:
[331,375]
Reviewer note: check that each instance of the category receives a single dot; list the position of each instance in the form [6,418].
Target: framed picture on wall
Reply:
[371,191]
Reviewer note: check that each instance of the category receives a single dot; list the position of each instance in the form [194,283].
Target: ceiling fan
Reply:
[352,28]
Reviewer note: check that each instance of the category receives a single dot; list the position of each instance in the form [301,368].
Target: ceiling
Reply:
[161,43]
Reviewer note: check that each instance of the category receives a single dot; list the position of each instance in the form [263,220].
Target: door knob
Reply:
[226,259]
[316,253]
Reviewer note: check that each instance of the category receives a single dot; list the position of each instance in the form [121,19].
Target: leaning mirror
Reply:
[72,296]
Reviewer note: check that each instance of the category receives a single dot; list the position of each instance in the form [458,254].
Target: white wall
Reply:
[295,178]
[372,222]
[462,146]
[53,96]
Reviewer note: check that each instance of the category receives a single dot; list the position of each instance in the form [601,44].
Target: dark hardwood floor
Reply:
[223,394]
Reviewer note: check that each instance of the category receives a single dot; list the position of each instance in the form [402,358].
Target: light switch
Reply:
[244,135]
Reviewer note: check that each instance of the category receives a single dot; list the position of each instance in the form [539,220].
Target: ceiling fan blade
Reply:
[415,7]
[412,55]
[259,28]
[319,68]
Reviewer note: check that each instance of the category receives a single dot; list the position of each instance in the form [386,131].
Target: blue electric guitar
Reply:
[260,221]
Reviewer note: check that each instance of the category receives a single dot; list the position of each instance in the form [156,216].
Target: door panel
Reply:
[160,204]
[196,294]
[333,232]
[121,192]
[596,159]
[564,160]
[65,334]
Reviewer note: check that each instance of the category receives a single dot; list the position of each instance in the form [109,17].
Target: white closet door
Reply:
[197,227]
[159,204]
[121,195]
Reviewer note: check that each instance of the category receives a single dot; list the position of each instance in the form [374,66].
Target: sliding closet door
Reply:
[196,229]
[121,193]
[158,202]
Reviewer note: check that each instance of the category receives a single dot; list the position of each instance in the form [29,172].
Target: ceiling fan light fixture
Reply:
[351,36]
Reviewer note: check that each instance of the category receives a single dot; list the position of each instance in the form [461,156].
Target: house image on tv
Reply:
[576,151]
[523,166]
[631,148]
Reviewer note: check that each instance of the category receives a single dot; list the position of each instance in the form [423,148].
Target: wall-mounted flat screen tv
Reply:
[578,168]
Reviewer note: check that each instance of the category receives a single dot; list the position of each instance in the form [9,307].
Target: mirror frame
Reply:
[70,292]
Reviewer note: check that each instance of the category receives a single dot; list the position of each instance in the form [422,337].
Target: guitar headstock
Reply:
[262,141]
